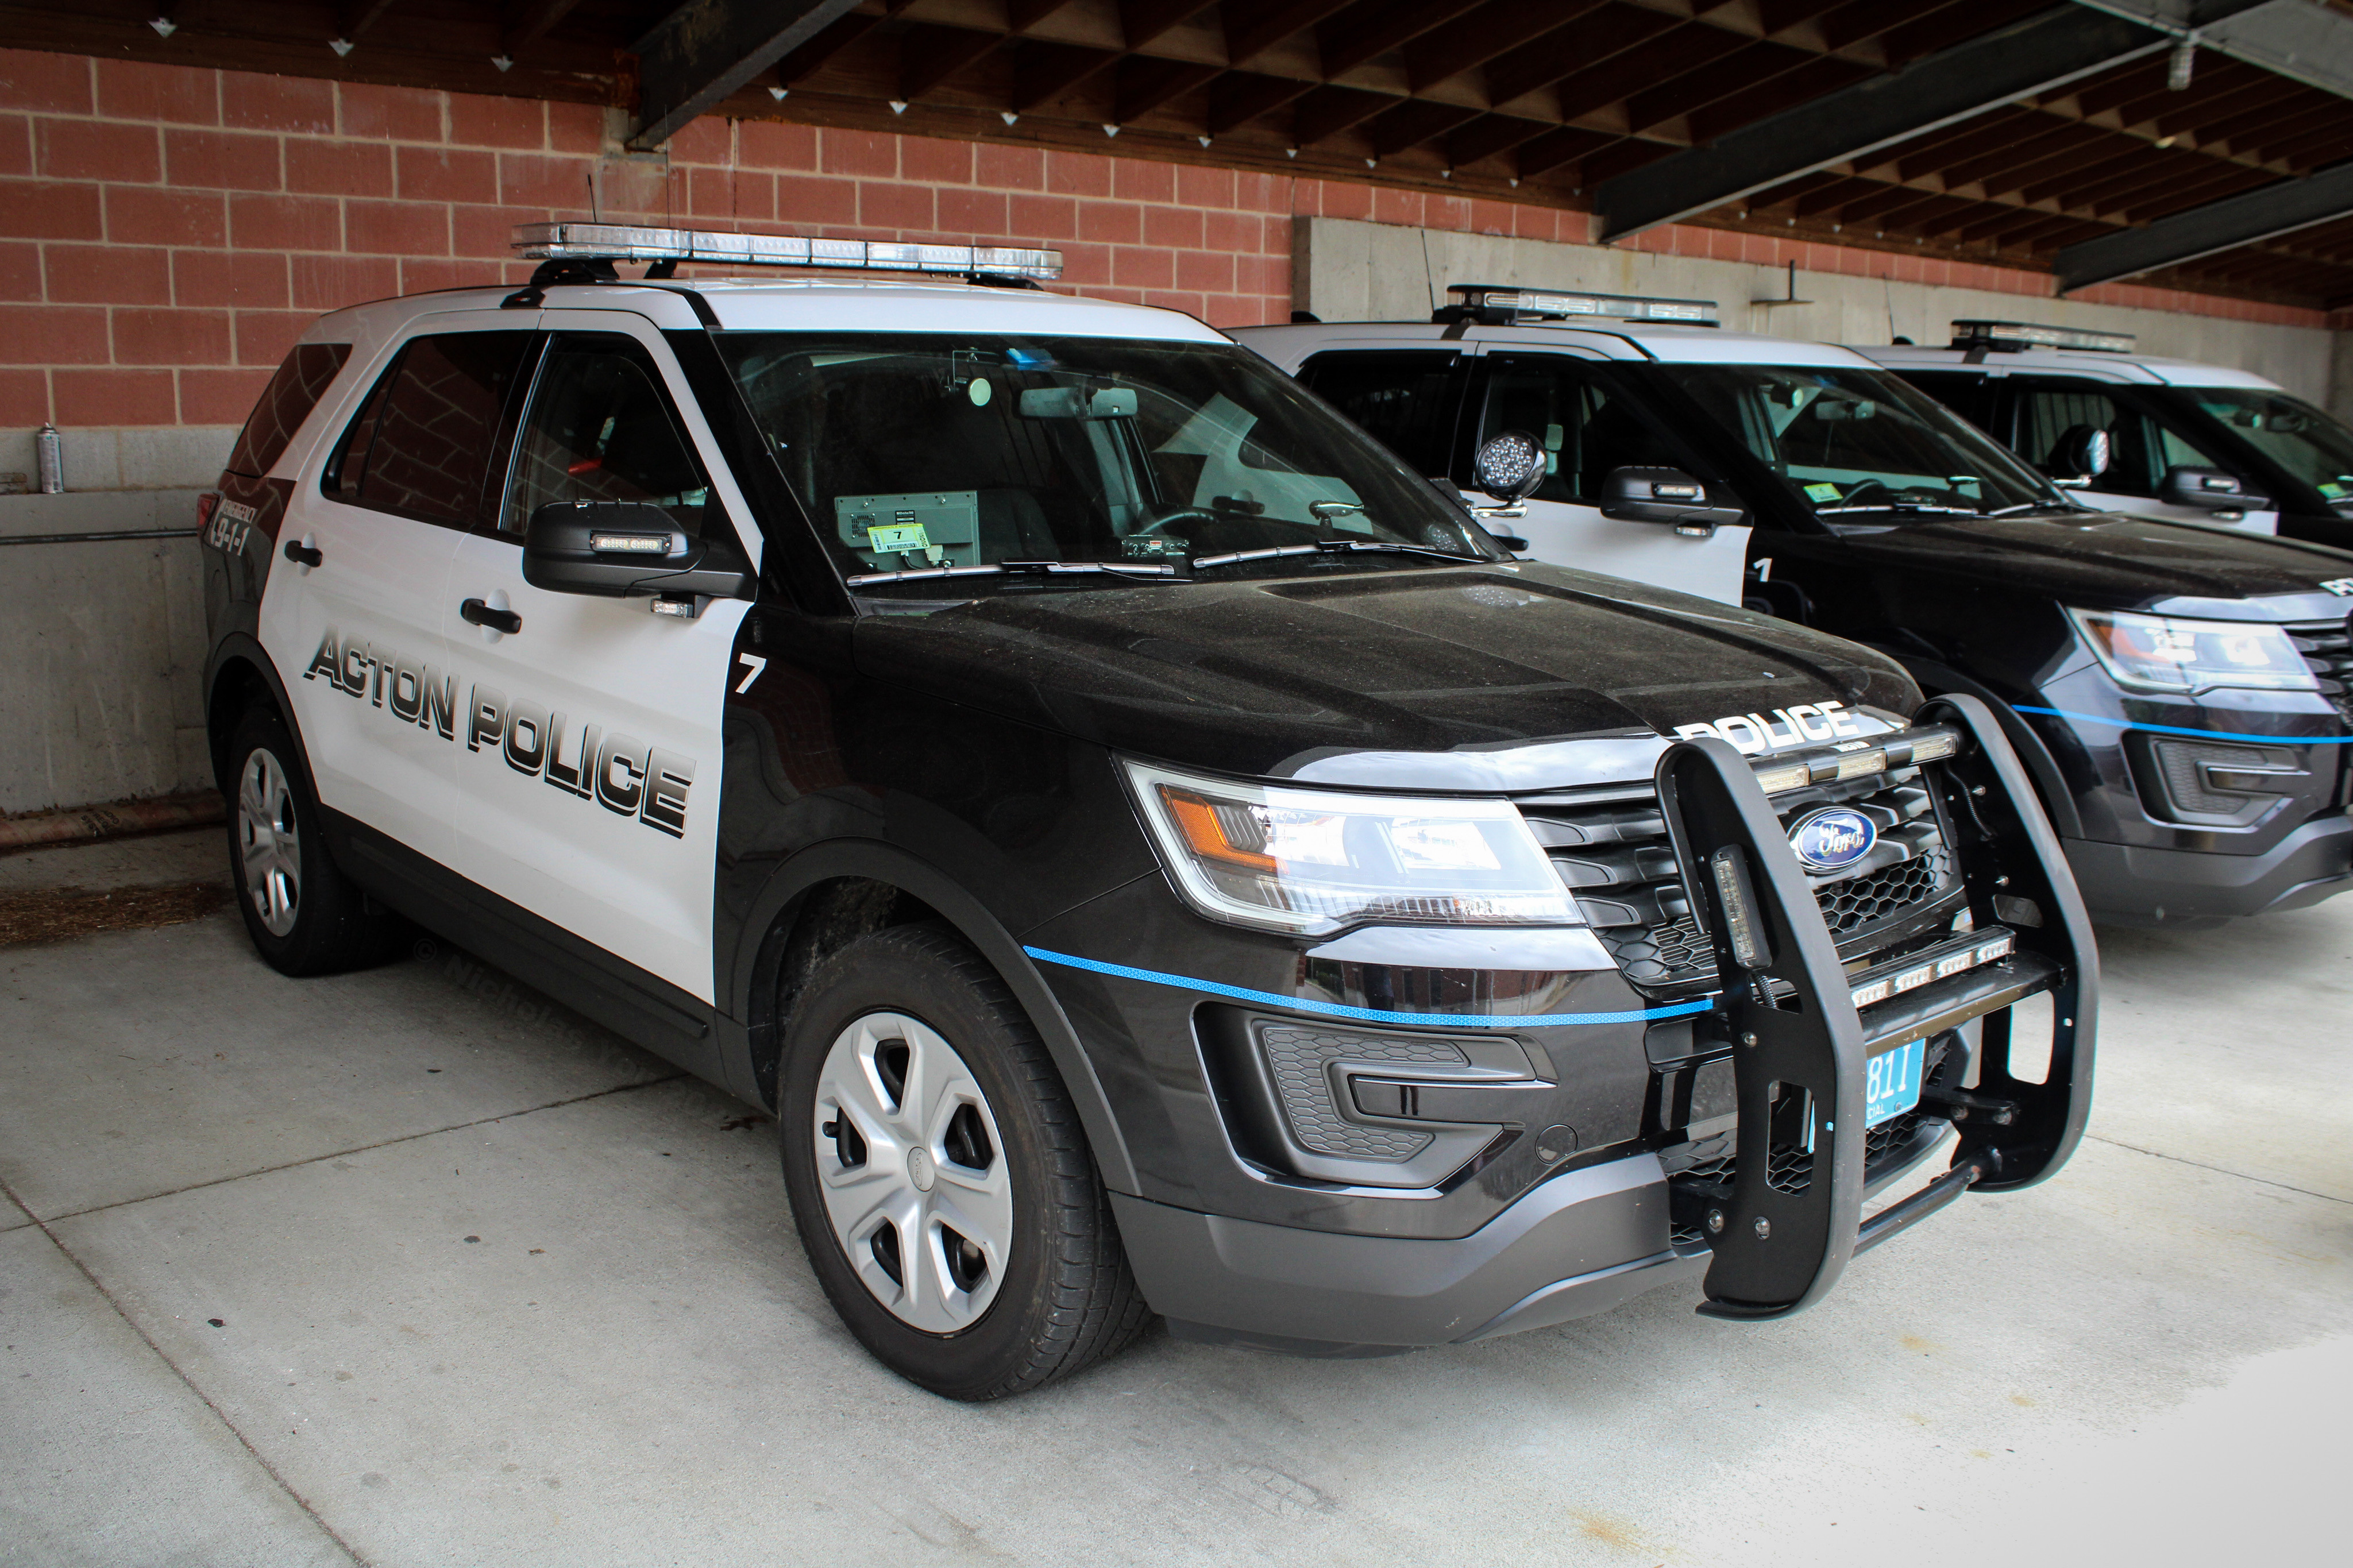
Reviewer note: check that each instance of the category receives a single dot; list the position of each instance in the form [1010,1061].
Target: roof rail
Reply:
[1490,305]
[611,242]
[2008,337]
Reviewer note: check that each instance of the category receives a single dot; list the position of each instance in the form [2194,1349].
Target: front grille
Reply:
[1610,847]
[2327,647]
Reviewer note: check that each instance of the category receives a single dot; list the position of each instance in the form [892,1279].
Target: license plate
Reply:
[1891,1082]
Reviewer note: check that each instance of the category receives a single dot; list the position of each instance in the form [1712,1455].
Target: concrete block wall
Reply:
[100,650]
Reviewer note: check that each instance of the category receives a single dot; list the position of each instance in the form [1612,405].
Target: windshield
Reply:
[2297,436]
[1854,441]
[918,454]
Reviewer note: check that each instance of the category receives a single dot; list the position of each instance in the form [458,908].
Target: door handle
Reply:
[481,615]
[303,554]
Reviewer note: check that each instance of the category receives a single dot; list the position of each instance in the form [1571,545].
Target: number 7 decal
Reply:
[758,664]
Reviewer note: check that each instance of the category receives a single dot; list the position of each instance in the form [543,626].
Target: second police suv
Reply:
[1146,844]
[2178,693]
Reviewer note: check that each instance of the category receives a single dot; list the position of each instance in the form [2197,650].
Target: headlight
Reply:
[2163,653]
[1313,862]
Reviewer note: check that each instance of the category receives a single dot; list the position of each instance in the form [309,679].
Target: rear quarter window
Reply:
[301,379]
[423,443]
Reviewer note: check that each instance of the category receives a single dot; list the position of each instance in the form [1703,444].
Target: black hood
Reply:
[2106,560]
[1273,676]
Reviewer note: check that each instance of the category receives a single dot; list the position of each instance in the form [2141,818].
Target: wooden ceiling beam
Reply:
[1329,111]
[1491,33]
[1251,31]
[1146,83]
[1239,96]
[1370,31]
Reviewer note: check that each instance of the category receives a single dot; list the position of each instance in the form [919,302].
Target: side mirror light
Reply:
[1509,466]
[623,550]
[1666,496]
[2208,490]
[2082,453]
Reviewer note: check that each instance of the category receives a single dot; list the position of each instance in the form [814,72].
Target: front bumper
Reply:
[2139,885]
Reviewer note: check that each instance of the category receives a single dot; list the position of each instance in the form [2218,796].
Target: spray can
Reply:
[50,455]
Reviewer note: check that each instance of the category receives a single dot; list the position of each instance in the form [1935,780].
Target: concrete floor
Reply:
[416,1268]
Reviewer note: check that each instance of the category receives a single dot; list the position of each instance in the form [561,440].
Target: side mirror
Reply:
[623,550]
[1664,495]
[1509,466]
[2208,490]
[2082,453]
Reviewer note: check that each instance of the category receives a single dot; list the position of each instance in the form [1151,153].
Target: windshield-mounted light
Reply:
[2166,653]
[1315,862]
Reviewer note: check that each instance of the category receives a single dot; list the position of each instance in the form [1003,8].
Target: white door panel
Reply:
[617,847]
[357,640]
[1579,536]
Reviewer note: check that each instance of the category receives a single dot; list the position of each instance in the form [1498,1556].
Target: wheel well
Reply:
[821,921]
[237,687]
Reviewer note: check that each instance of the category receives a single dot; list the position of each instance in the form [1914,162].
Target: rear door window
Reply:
[1406,401]
[422,447]
[301,379]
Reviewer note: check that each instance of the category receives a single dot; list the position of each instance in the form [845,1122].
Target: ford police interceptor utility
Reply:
[2197,443]
[1151,850]
[2178,693]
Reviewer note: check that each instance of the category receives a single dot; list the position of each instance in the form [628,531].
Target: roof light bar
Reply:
[1499,306]
[2012,336]
[626,242]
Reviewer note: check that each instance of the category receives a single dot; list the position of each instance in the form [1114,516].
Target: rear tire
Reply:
[304,915]
[943,1186]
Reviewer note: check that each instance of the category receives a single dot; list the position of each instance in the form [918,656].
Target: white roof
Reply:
[803,305]
[2145,368]
[1630,341]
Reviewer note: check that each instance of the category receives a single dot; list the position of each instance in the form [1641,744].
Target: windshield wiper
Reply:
[1336,547]
[1149,571]
[2037,506]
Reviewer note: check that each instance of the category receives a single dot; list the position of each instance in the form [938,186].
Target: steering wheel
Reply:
[1863,488]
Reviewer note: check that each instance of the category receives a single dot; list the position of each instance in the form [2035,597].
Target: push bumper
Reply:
[2133,885]
[1800,1031]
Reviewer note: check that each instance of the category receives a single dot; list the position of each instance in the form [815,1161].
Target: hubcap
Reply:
[914,1174]
[268,842]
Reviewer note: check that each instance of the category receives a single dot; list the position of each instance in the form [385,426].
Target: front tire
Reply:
[943,1186]
[304,918]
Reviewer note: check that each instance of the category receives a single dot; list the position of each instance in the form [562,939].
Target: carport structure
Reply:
[2185,143]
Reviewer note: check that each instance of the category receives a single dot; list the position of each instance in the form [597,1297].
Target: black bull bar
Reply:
[1782,1232]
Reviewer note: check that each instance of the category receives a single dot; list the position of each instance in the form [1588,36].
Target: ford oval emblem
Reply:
[1832,839]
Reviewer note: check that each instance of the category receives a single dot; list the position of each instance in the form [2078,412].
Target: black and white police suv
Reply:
[1146,844]
[2183,695]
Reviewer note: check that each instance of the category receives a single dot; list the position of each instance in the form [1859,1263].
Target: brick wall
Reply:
[166,232]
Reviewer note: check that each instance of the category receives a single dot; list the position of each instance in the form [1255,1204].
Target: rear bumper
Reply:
[2125,884]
